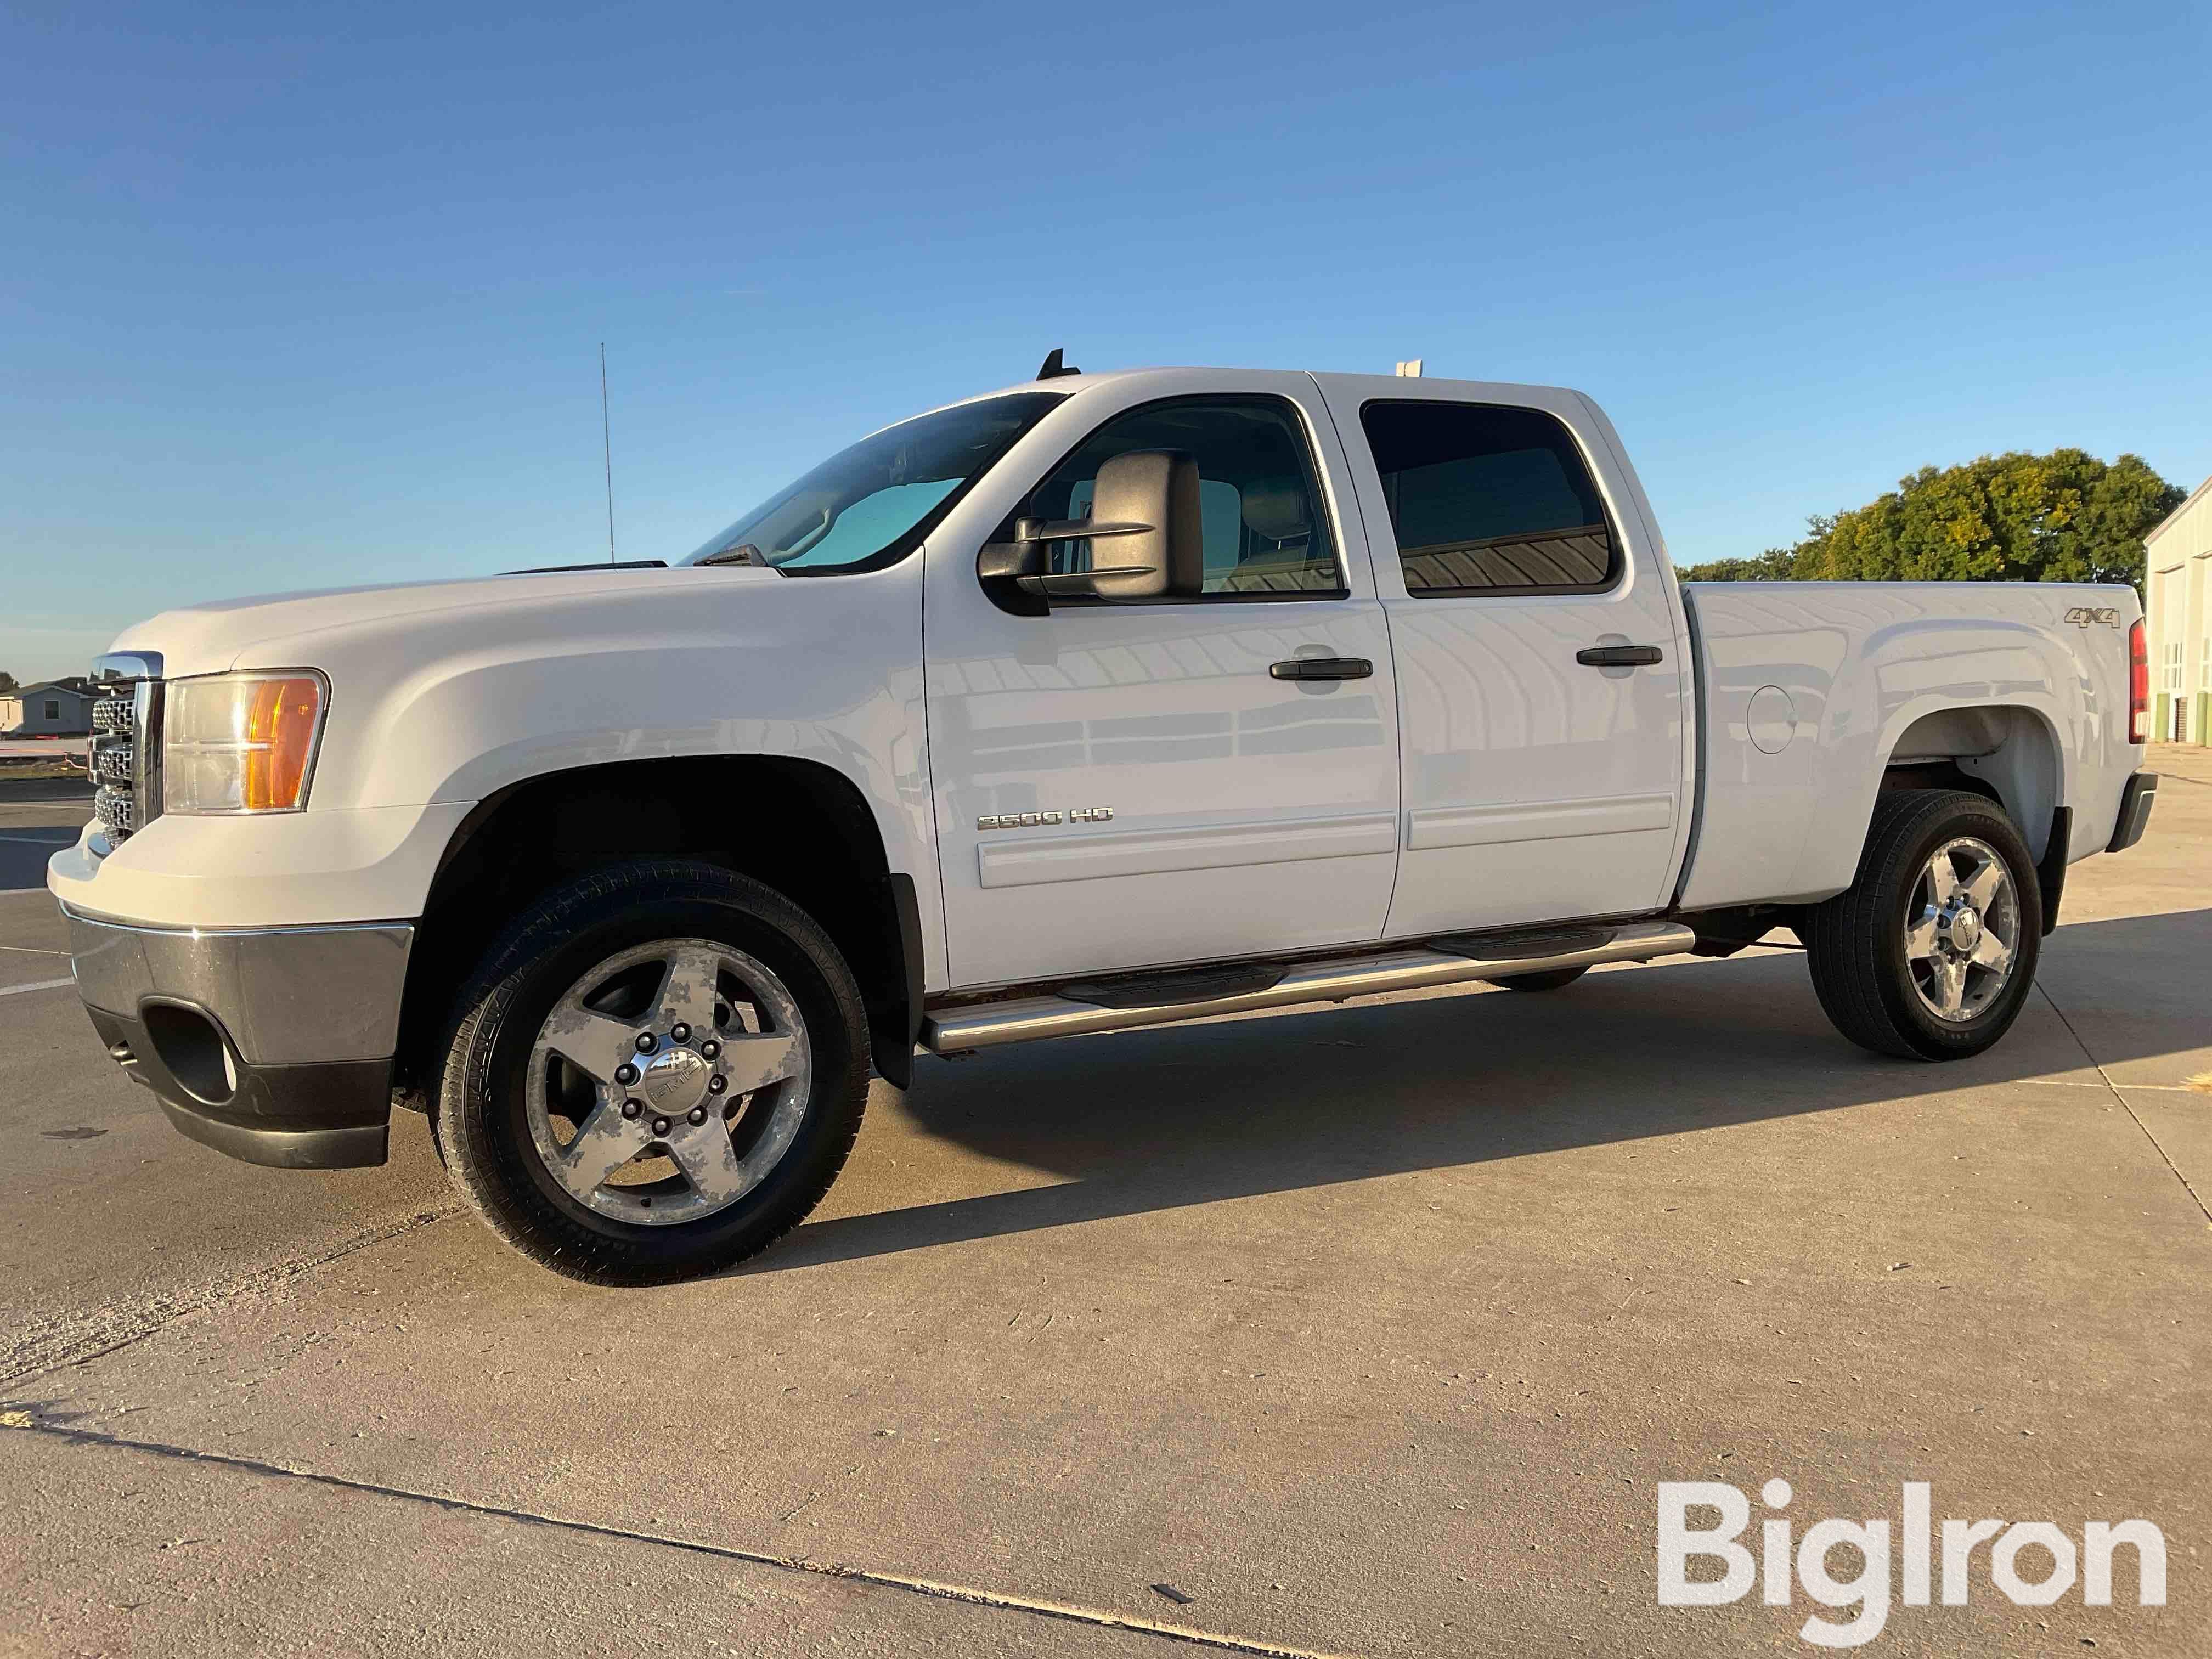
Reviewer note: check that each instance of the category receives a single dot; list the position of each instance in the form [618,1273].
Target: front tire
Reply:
[1931,951]
[656,1072]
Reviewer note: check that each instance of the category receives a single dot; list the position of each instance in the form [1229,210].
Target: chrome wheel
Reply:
[668,1081]
[1962,929]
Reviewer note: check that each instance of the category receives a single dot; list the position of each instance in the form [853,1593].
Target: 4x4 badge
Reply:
[2081,615]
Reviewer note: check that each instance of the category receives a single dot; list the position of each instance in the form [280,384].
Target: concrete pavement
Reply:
[104,1230]
[1367,1331]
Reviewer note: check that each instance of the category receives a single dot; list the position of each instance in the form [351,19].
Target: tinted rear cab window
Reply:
[1487,498]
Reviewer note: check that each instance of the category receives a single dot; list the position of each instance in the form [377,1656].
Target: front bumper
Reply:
[273,1045]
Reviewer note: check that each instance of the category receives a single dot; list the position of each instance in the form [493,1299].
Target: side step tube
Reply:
[991,1024]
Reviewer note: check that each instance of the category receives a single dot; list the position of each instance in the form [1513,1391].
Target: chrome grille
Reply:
[126,743]
[116,811]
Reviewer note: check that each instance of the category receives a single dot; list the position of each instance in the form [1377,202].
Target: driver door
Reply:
[1120,784]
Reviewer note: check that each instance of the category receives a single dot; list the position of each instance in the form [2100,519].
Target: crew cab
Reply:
[1099,702]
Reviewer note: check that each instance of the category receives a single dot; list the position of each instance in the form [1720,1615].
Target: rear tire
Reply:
[1551,979]
[620,1163]
[1931,951]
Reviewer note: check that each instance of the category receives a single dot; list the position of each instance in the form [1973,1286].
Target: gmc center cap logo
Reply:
[676,1081]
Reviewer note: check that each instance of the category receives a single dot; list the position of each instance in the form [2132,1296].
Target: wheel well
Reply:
[2006,755]
[1936,774]
[799,826]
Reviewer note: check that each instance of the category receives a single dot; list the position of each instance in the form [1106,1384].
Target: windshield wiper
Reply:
[743,553]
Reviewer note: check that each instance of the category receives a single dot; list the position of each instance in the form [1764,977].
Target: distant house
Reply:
[51,708]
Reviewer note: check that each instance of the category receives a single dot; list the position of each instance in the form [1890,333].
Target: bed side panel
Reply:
[1828,676]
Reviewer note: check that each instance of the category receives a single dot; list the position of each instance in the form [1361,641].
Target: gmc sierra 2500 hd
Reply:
[1103,700]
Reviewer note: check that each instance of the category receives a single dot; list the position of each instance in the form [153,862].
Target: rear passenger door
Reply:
[1543,764]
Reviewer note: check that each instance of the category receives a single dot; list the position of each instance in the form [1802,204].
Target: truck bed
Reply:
[2023,686]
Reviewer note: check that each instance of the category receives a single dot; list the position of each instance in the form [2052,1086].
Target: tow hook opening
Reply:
[193,1049]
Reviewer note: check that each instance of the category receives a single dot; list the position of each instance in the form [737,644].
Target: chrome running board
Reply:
[962,1029]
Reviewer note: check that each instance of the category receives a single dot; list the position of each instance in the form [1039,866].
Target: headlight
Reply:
[240,743]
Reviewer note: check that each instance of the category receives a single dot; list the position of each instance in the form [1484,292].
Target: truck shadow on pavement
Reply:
[1154,1121]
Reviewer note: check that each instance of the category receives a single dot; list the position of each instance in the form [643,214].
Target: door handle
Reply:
[1323,668]
[1619,656]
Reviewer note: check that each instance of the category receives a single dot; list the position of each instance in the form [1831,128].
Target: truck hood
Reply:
[209,639]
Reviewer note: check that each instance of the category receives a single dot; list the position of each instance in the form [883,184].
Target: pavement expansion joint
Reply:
[2196,1197]
[18,1421]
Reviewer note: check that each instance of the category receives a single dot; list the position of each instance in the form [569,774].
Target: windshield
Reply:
[871,505]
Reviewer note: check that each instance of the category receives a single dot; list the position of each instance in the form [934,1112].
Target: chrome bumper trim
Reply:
[77,913]
[290,996]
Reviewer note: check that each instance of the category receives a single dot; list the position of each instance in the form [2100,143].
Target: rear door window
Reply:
[1486,498]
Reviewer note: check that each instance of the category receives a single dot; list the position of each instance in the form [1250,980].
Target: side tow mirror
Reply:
[1147,537]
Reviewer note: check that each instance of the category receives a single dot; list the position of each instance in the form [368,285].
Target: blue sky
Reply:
[293,296]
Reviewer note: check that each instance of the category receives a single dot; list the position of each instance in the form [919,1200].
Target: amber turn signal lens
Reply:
[240,742]
[280,731]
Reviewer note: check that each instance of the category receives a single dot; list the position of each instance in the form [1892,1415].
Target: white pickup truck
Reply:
[1100,702]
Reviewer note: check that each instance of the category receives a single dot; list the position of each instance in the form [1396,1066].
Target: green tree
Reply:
[7,683]
[2064,517]
[1777,564]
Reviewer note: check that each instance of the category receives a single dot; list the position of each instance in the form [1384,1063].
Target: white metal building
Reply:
[2177,613]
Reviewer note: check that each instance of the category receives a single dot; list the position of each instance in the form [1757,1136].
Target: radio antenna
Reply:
[607,443]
